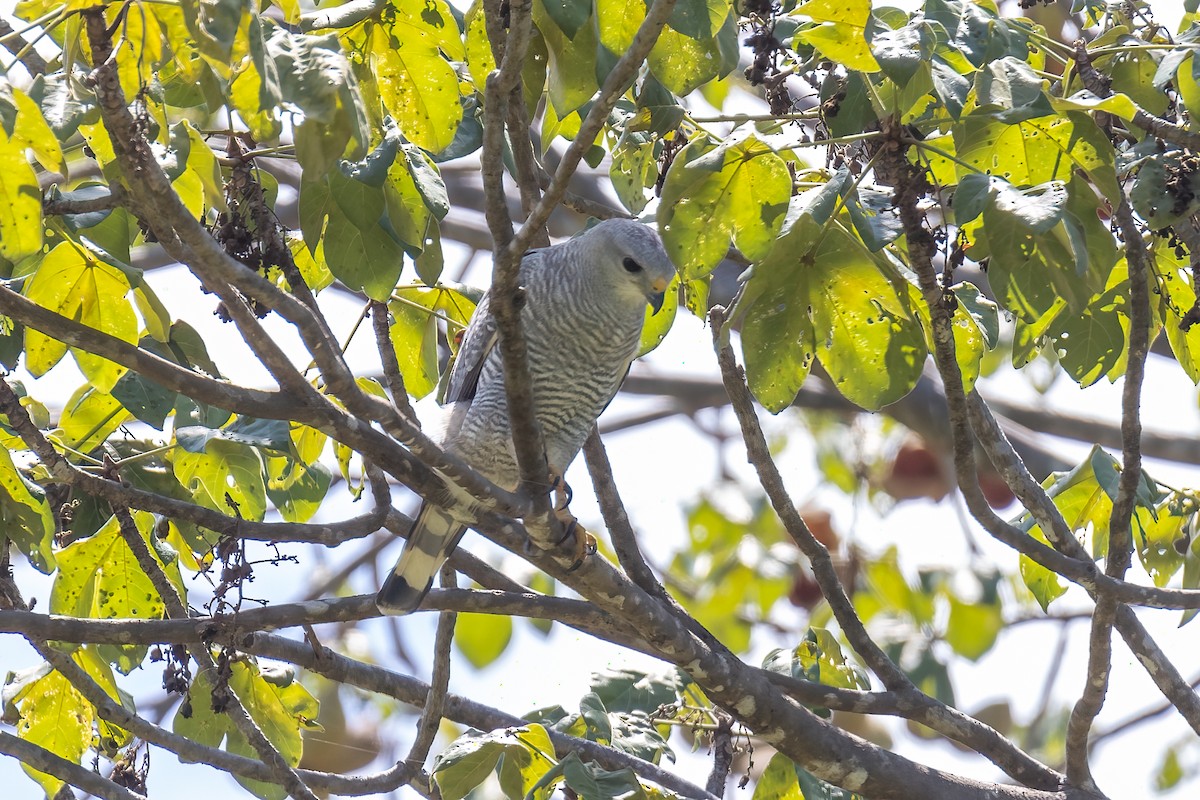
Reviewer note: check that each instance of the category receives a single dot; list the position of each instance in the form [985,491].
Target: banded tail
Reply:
[434,535]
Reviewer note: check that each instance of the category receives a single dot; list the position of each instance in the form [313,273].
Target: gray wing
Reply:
[477,344]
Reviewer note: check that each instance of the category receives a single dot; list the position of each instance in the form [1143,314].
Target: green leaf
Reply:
[313,268]
[255,89]
[523,755]
[632,690]
[658,324]
[297,489]
[570,15]
[315,75]
[1038,208]
[145,399]
[95,662]
[1173,280]
[972,628]
[735,192]
[1190,580]
[267,434]
[482,638]
[633,172]
[1133,71]
[901,52]
[571,65]
[1045,585]
[89,417]
[847,104]
[25,515]
[196,719]
[1037,151]
[279,705]
[617,22]
[821,292]
[27,128]
[970,342]
[214,26]
[1091,344]
[227,477]
[65,103]
[203,162]
[1084,496]
[1118,104]
[589,780]
[1157,539]
[414,331]
[72,282]
[522,768]
[1011,91]
[778,781]
[354,211]
[683,64]
[818,658]
[1164,189]
[1033,274]
[699,19]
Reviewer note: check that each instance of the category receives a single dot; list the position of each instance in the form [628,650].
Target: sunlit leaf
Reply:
[72,282]
[482,638]
[737,192]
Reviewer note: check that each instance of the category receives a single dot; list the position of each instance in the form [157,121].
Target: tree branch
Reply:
[1120,540]
[1156,126]
[624,541]
[376,679]
[435,703]
[41,759]
[503,301]
[154,200]
[936,715]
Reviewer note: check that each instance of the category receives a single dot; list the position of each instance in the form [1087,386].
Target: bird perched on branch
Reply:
[584,305]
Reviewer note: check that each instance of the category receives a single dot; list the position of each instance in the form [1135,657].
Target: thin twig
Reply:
[624,541]
[431,714]
[722,749]
[387,359]
[1120,540]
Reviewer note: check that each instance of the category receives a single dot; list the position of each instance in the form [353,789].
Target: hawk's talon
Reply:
[585,543]
[569,528]
[562,492]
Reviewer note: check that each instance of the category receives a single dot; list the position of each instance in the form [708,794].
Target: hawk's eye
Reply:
[630,265]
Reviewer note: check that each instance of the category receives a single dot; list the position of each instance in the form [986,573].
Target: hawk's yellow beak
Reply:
[659,294]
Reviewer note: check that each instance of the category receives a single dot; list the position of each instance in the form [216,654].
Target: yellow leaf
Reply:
[20,202]
[70,281]
[853,12]
[32,131]
[417,85]
[54,715]
[842,43]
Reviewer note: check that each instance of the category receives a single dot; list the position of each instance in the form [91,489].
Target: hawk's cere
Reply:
[585,302]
